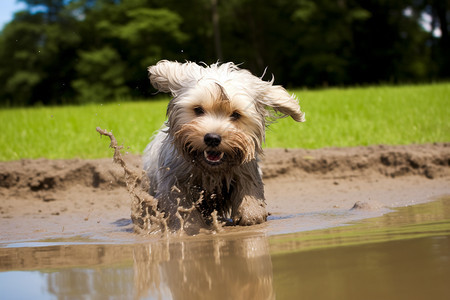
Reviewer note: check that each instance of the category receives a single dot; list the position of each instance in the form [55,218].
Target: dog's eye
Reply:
[198,110]
[235,116]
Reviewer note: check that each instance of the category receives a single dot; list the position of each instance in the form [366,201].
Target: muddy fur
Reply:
[206,155]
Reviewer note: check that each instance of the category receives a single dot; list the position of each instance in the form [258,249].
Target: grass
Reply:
[69,131]
[368,116]
[335,117]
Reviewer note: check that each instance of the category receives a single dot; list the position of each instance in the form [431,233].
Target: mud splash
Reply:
[145,214]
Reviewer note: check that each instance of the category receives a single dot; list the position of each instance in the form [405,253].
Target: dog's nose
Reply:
[212,139]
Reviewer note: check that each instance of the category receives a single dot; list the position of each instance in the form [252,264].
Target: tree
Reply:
[142,36]
[390,45]
[83,50]
[100,76]
[75,51]
[439,11]
[34,49]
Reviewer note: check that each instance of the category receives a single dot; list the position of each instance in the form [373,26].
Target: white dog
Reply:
[206,155]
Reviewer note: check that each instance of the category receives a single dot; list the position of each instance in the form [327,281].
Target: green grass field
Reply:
[335,117]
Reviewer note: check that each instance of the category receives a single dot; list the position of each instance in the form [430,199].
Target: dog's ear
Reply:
[169,76]
[279,99]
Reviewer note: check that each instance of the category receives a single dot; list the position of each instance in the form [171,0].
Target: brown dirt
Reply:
[47,198]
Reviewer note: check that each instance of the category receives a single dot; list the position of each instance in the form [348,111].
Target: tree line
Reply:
[79,51]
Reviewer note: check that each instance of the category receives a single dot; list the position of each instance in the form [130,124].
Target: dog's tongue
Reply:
[213,156]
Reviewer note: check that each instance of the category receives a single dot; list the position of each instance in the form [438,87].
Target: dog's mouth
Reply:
[213,157]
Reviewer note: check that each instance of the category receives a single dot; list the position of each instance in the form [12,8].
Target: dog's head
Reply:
[218,113]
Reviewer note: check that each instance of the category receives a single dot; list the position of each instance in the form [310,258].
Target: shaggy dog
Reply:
[206,156]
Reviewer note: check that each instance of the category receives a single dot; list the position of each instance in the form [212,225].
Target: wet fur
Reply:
[229,102]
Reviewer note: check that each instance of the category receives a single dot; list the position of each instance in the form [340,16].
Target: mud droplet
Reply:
[146,217]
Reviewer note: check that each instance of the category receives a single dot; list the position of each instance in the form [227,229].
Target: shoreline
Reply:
[86,199]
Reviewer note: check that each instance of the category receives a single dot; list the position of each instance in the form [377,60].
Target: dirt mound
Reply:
[430,160]
[45,174]
[27,177]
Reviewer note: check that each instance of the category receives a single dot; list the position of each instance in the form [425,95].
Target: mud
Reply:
[53,198]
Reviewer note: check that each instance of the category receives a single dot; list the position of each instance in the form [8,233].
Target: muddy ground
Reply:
[61,198]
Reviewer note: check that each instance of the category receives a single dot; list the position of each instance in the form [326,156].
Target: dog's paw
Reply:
[250,213]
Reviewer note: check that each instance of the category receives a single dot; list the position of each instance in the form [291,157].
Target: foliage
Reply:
[100,76]
[334,117]
[78,51]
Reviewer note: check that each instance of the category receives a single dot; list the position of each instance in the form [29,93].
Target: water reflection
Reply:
[195,268]
[208,269]
[403,269]
[98,283]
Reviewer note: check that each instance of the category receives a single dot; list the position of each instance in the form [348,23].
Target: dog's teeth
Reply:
[213,156]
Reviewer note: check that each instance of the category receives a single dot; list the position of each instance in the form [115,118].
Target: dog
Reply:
[206,155]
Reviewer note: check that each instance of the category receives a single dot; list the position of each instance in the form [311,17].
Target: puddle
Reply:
[404,254]
[401,255]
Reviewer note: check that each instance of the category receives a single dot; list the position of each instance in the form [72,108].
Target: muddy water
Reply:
[404,254]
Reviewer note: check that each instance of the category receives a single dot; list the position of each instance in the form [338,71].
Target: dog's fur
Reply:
[207,153]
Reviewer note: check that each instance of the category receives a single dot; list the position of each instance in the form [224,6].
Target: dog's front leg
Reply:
[248,204]
[251,211]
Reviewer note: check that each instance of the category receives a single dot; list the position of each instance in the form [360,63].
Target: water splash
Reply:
[145,214]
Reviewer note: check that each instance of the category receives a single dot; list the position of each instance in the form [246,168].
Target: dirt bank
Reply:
[41,197]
